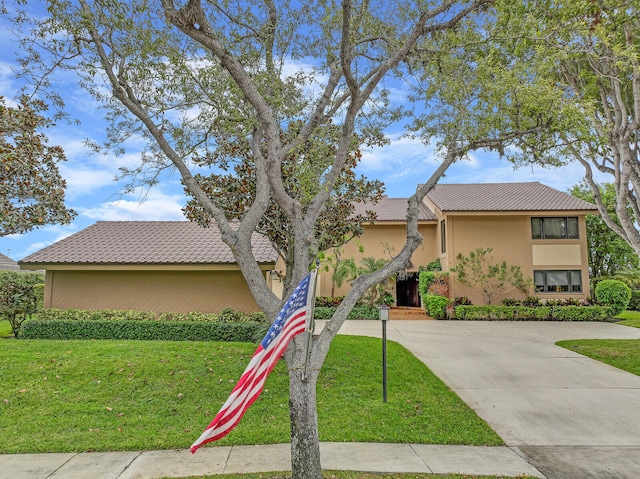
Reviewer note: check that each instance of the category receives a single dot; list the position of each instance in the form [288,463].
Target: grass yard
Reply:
[630,318]
[621,353]
[64,396]
[354,475]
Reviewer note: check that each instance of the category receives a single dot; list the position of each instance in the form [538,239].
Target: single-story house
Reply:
[179,267]
[162,266]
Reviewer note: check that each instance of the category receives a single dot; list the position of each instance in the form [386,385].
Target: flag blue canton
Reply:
[297,300]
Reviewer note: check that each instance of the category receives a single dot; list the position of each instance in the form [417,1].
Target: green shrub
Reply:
[191,316]
[435,305]
[227,315]
[538,313]
[358,312]
[66,329]
[18,297]
[425,278]
[613,293]
[93,315]
[328,301]
[38,291]
[634,302]
[461,300]
[581,313]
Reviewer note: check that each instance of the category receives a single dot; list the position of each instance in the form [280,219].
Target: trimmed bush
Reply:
[328,301]
[539,313]
[227,315]
[92,315]
[359,312]
[613,293]
[581,313]
[139,330]
[435,305]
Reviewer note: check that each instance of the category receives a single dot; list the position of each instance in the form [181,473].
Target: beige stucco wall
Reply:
[510,238]
[375,241]
[155,290]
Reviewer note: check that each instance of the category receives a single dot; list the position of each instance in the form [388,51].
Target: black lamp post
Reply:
[384,317]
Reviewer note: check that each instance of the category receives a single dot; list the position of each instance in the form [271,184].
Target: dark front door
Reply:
[407,291]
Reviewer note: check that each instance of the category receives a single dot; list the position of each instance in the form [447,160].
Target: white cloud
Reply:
[84,180]
[39,238]
[157,206]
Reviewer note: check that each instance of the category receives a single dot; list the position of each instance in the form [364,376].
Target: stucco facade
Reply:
[148,289]
[180,267]
[510,237]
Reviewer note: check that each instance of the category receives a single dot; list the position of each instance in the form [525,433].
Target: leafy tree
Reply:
[198,79]
[369,265]
[490,279]
[546,83]
[583,57]
[31,188]
[608,252]
[18,298]
[336,225]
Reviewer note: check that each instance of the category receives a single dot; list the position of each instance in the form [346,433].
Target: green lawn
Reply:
[60,396]
[630,318]
[621,353]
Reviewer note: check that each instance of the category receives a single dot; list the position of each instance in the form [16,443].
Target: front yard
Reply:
[58,396]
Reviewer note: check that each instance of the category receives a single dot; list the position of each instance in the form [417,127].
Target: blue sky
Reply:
[93,193]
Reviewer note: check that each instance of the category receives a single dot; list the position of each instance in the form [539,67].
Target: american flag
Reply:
[292,320]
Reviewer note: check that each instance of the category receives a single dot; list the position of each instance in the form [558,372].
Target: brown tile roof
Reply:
[393,209]
[146,242]
[532,196]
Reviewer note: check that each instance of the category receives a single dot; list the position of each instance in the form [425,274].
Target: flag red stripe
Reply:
[251,383]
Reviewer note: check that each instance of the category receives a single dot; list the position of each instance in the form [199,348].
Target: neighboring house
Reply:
[177,266]
[161,266]
[531,225]
[7,263]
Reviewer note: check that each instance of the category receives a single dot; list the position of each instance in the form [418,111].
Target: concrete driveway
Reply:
[570,416]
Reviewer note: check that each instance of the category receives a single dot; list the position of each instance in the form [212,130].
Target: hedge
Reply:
[227,315]
[540,313]
[140,329]
[359,312]
[92,315]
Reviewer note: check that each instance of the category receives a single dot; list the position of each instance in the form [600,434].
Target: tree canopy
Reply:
[31,188]
[609,254]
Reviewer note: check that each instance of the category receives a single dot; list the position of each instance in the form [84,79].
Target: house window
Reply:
[558,281]
[565,227]
[443,236]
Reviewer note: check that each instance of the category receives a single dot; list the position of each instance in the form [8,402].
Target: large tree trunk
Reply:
[303,414]
[305,444]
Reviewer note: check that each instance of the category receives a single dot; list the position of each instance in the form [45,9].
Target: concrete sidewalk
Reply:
[240,459]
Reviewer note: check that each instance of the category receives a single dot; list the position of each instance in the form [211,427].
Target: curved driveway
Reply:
[570,416]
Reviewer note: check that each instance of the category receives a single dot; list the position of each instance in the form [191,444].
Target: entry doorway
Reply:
[407,290]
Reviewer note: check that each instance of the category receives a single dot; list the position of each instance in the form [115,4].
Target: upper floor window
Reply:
[565,227]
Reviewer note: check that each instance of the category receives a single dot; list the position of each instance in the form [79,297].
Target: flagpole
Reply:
[311,325]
